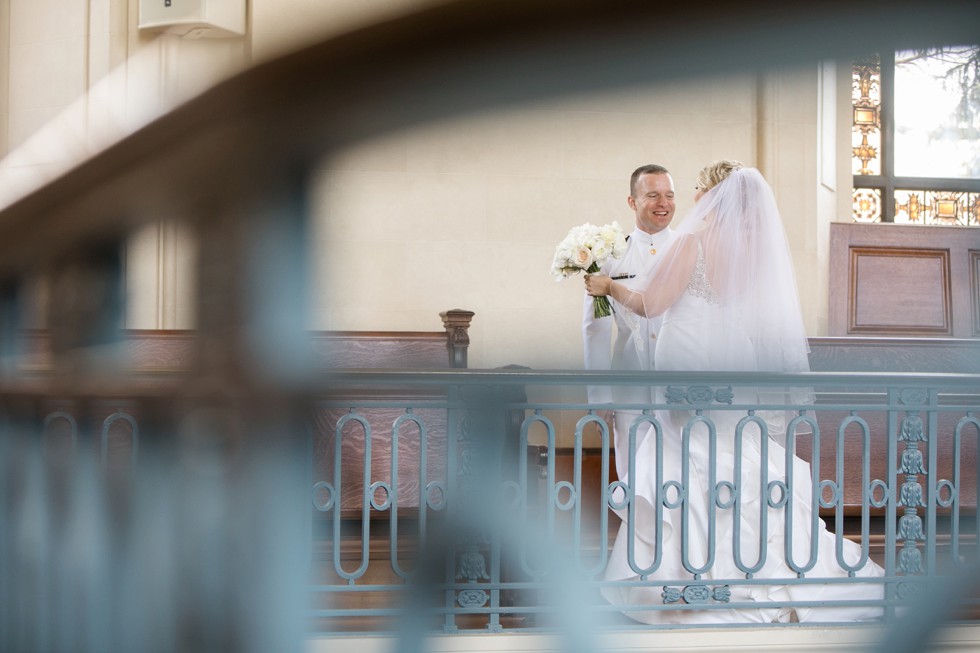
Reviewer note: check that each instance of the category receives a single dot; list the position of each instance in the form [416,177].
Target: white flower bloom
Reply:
[582,257]
[587,244]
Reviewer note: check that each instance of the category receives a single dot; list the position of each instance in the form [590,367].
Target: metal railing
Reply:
[893,462]
[470,508]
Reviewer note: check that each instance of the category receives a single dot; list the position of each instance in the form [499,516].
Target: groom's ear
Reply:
[631,201]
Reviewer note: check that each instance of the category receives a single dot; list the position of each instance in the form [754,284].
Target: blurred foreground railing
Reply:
[446,501]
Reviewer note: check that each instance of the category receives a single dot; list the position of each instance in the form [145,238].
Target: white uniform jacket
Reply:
[613,348]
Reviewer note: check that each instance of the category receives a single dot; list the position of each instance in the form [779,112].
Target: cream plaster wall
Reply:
[466,214]
[789,108]
[47,62]
[463,214]
[4,74]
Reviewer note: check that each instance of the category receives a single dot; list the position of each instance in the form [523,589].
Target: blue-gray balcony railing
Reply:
[495,494]
[448,501]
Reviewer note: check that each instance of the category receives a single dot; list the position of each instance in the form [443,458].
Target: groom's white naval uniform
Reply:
[624,347]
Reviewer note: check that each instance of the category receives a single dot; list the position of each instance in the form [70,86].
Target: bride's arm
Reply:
[669,280]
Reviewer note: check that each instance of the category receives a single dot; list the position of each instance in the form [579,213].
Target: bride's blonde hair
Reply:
[713,174]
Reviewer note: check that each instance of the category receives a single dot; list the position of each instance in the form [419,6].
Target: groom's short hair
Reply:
[649,169]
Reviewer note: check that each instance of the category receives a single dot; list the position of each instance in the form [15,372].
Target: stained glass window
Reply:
[937,207]
[915,143]
[866,100]
[867,205]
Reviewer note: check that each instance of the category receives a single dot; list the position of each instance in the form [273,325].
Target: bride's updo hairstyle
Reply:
[715,173]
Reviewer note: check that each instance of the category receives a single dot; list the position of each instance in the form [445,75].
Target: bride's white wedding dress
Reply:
[699,335]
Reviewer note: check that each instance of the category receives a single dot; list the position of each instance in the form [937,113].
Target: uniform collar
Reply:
[645,239]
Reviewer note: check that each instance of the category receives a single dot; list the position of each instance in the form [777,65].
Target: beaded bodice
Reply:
[699,285]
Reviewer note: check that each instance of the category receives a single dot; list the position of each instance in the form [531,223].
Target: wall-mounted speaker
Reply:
[194,18]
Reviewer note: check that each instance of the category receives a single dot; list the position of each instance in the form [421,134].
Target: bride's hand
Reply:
[597,285]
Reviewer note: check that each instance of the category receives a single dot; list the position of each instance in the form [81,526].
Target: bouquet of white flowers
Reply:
[585,249]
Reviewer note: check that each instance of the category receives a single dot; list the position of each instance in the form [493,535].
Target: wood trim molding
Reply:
[975,290]
[884,354]
[167,353]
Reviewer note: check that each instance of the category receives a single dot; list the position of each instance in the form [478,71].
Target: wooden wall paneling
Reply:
[909,280]
[899,290]
[370,350]
[838,281]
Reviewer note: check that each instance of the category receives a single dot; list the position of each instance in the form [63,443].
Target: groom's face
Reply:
[653,202]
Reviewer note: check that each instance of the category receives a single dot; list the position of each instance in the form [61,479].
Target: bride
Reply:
[728,296]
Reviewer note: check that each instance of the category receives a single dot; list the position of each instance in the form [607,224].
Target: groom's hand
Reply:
[598,285]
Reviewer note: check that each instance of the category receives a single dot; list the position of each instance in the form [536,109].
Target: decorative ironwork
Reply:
[866,103]
[722,594]
[698,394]
[472,598]
[913,397]
[671,594]
[472,565]
[907,591]
[910,526]
[694,594]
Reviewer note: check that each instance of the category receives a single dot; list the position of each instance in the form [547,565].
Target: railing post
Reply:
[454,435]
[243,420]
[480,523]
[9,324]
[85,313]
[912,430]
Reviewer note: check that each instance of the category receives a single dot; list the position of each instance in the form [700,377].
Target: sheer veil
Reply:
[735,235]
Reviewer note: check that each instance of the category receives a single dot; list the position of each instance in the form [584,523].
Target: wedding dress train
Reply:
[699,335]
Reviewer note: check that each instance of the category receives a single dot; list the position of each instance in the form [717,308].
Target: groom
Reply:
[624,348]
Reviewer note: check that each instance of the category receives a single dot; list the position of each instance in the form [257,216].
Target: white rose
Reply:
[582,257]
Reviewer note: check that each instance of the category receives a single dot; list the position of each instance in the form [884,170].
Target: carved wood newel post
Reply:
[457,323]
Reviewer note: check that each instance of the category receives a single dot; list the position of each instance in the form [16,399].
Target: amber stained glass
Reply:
[957,209]
[866,126]
[866,205]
